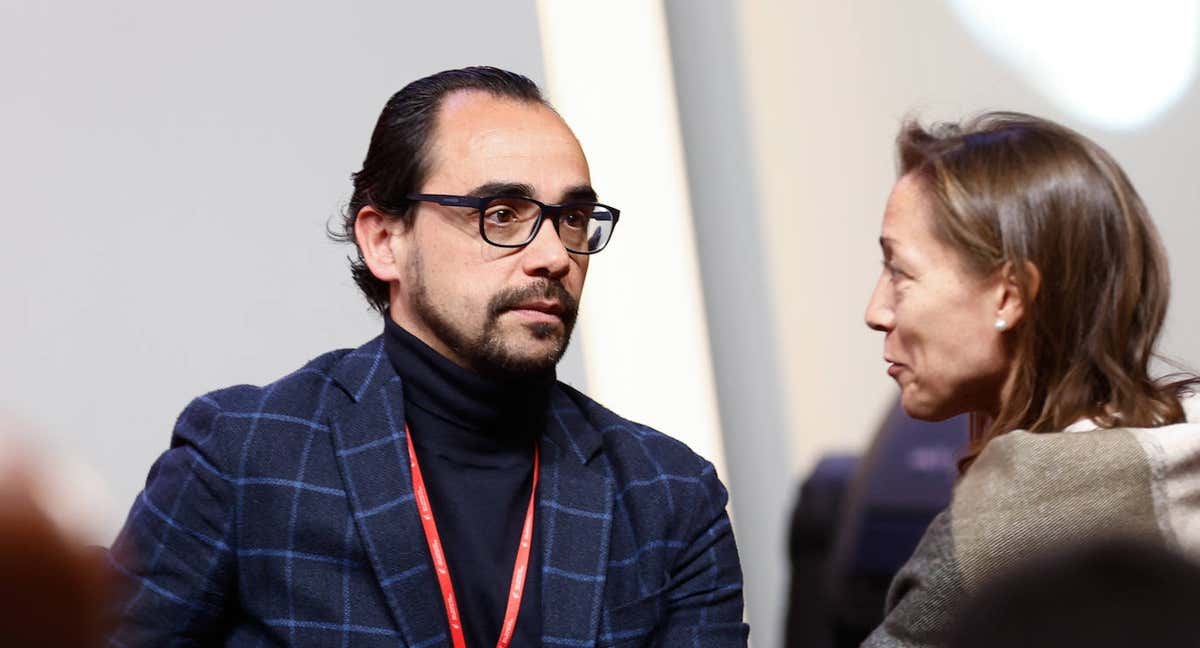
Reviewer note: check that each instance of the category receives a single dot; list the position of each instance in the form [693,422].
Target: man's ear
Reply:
[373,231]
[1012,300]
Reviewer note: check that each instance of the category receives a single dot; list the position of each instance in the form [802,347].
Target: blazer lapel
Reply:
[575,503]
[369,438]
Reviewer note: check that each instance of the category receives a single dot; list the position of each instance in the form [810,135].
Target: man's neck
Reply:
[416,327]
[461,396]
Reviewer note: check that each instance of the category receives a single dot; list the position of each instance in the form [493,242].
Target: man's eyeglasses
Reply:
[513,221]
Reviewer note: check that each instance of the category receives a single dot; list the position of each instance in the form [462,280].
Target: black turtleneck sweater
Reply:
[475,438]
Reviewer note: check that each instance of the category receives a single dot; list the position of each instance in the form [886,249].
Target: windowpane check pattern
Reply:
[284,515]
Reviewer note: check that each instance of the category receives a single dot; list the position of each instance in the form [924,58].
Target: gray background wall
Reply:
[169,170]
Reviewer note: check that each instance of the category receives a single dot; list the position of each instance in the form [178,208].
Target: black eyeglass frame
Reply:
[553,212]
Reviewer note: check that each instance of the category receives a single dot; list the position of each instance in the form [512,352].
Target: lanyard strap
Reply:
[516,589]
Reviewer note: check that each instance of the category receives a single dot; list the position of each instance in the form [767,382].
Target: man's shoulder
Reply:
[304,385]
[635,448]
[242,428]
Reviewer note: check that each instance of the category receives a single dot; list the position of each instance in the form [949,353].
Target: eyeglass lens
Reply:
[582,228]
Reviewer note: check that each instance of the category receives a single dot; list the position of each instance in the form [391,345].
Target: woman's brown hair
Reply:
[1027,196]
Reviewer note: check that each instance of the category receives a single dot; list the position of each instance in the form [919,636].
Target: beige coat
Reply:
[1029,494]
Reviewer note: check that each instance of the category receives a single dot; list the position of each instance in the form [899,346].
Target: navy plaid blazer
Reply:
[284,515]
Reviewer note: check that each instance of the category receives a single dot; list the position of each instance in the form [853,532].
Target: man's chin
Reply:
[518,346]
[546,332]
[519,367]
[538,349]
[534,350]
[531,331]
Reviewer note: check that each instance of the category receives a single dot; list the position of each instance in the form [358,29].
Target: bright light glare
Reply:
[1116,65]
[642,319]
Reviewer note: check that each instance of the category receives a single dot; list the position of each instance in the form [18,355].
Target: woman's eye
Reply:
[894,272]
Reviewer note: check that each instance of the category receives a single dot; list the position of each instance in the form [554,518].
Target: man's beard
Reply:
[488,352]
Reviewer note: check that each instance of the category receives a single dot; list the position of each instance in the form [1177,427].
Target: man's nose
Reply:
[545,255]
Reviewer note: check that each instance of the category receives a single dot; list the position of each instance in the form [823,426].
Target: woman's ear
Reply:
[1016,291]
[373,233]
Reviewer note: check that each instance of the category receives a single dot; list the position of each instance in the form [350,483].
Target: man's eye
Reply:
[501,216]
[575,219]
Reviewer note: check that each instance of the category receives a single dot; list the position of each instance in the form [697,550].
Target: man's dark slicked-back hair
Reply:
[397,158]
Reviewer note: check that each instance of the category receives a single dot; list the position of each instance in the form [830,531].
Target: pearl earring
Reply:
[1001,324]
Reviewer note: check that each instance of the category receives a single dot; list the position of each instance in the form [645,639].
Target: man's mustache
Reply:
[511,298]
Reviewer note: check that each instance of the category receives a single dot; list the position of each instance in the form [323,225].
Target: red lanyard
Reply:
[516,589]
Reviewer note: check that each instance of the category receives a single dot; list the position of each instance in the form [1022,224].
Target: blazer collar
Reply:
[367,368]
[575,500]
[362,369]
[369,439]
[570,427]
[575,505]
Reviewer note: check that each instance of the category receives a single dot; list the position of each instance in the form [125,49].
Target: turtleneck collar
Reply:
[482,412]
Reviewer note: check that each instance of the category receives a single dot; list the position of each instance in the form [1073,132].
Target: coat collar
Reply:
[369,439]
[570,426]
[575,504]
[362,369]
[367,368]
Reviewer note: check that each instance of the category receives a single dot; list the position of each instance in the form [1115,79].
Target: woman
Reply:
[1023,282]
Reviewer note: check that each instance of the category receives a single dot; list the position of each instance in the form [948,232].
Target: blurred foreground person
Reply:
[53,590]
[437,486]
[1111,595]
[1024,283]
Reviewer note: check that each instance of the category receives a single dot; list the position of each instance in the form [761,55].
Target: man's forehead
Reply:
[475,115]
[525,140]
[480,138]
[468,99]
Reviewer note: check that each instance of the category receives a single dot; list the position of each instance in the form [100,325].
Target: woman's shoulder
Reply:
[1191,405]
[1034,490]
[1029,466]
[1173,452]
[1085,451]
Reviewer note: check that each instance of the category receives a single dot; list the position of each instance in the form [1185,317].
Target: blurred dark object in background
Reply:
[856,522]
[1109,595]
[53,591]
[810,543]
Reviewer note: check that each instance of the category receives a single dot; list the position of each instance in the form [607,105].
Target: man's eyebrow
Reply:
[579,193]
[502,189]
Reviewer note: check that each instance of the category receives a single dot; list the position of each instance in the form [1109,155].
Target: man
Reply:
[437,486]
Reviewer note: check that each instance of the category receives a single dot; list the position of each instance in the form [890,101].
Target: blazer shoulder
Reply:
[218,424]
[302,384]
[636,445]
